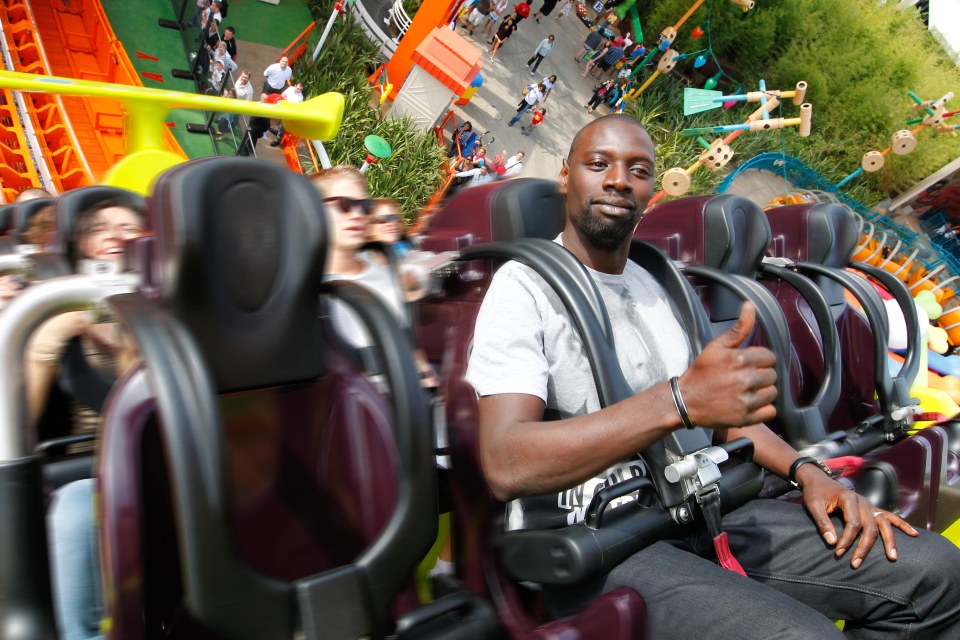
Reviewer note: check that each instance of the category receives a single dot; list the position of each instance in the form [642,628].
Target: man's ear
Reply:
[562,180]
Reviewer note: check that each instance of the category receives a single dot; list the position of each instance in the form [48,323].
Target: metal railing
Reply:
[934,253]
[227,131]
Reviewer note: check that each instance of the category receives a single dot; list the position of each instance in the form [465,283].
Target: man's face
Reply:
[228,35]
[244,79]
[283,63]
[608,180]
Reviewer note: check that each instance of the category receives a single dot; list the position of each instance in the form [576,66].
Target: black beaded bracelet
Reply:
[678,401]
[799,462]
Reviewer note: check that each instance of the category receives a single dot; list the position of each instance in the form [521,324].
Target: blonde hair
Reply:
[339,172]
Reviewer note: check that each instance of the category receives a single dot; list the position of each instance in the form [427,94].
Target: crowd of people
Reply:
[607,54]
[217,72]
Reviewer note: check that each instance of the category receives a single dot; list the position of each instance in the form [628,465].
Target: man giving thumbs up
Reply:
[527,360]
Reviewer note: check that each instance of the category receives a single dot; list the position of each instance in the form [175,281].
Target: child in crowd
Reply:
[564,10]
[216,78]
[537,119]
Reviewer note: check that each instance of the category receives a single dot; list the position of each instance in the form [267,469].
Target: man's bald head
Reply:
[32,194]
[602,121]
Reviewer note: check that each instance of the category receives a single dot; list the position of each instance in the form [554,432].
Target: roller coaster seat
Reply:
[826,234]
[822,234]
[297,496]
[6,218]
[503,211]
[24,212]
[729,234]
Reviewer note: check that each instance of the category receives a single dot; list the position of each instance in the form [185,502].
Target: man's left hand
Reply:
[823,496]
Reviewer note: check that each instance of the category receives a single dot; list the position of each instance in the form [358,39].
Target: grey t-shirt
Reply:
[380,279]
[525,342]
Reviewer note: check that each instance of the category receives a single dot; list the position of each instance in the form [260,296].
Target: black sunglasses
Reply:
[389,218]
[345,204]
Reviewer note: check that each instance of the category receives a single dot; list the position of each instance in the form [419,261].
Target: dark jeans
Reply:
[595,100]
[535,61]
[797,586]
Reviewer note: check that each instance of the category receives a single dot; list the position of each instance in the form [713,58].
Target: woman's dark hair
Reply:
[83,225]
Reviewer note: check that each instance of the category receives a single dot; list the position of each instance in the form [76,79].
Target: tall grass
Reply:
[415,169]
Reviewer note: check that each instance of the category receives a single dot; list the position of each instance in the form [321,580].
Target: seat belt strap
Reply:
[709,500]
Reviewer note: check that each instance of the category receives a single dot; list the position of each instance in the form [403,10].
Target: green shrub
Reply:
[415,169]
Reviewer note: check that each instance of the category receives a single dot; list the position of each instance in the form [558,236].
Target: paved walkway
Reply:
[504,78]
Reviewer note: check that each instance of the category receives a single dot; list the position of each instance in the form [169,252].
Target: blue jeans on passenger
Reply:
[515,119]
[75,562]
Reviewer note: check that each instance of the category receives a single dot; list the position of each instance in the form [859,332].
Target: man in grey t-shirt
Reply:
[527,359]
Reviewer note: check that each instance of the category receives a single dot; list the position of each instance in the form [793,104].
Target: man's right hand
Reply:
[727,386]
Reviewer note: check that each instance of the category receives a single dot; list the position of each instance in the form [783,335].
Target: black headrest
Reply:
[24,211]
[245,276]
[6,217]
[527,208]
[726,232]
[73,203]
[822,233]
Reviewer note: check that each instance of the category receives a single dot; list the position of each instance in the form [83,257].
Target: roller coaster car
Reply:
[516,220]
[253,483]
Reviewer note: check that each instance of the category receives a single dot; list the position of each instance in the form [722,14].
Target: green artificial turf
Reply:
[270,24]
[135,24]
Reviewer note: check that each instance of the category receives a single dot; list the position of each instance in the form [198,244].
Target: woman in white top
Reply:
[548,83]
[344,191]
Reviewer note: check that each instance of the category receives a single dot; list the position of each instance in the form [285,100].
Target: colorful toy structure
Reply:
[905,140]
[671,57]
[147,157]
[717,154]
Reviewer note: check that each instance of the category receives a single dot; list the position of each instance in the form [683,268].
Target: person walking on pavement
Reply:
[542,51]
[548,83]
[533,97]
[599,93]
[479,13]
[493,18]
[548,6]
[592,42]
[538,115]
[604,62]
[507,27]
